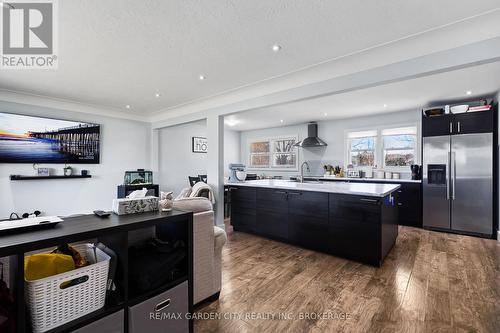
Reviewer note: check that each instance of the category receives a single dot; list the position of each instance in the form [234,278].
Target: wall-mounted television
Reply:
[27,139]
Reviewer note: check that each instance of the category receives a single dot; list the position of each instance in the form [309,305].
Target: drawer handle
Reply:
[369,200]
[162,305]
[400,204]
[295,193]
[280,192]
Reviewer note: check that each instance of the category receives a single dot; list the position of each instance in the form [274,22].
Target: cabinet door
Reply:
[309,204]
[410,205]
[272,224]
[243,208]
[163,313]
[437,125]
[355,227]
[243,196]
[473,122]
[272,213]
[243,222]
[308,219]
[273,200]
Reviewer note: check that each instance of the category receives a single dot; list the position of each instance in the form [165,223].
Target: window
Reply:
[399,146]
[391,148]
[284,154]
[361,148]
[259,154]
[278,153]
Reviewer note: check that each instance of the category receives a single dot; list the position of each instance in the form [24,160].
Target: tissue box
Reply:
[132,206]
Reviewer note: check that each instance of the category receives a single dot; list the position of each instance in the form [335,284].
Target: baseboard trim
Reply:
[498,235]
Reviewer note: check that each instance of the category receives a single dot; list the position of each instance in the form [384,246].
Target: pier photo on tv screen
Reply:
[27,139]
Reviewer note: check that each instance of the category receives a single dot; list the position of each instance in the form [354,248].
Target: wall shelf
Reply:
[19,177]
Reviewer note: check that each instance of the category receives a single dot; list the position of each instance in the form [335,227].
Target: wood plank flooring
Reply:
[430,282]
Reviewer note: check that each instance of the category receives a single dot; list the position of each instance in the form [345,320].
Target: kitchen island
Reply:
[357,221]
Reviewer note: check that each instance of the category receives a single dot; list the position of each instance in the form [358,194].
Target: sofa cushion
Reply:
[195,205]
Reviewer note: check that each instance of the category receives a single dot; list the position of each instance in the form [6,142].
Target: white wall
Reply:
[232,147]
[177,161]
[124,146]
[333,133]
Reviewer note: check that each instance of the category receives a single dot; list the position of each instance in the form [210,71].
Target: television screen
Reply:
[26,139]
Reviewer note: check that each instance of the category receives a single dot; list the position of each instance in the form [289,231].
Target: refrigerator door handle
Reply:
[448,162]
[453,170]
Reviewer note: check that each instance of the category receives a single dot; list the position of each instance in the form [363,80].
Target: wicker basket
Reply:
[61,298]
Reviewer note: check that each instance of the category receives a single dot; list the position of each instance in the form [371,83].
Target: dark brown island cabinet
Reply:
[409,197]
[359,227]
[126,309]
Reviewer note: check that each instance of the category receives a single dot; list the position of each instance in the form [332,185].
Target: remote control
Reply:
[101,213]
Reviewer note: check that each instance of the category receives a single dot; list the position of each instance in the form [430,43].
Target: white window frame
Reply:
[379,146]
[271,141]
[416,148]
[365,133]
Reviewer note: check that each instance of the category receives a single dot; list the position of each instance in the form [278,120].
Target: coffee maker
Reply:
[416,172]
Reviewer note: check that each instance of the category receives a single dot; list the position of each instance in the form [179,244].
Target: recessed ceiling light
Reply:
[281,121]
[157,95]
[468,92]
[385,105]
[202,77]
[231,122]
[326,114]
[276,47]
[127,106]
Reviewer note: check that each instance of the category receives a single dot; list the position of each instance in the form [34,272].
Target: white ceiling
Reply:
[406,95]
[114,53]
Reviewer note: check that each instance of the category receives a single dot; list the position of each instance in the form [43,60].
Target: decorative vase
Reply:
[68,171]
[166,201]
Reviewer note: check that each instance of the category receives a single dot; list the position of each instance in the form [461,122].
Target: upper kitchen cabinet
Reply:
[473,122]
[460,123]
[437,125]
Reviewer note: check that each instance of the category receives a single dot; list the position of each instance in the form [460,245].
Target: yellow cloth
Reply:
[42,265]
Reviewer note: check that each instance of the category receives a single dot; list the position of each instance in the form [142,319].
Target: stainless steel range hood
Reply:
[312,139]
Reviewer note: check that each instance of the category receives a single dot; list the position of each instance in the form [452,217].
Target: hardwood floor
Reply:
[429,282]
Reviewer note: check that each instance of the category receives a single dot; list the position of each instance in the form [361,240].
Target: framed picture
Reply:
[28,139]
[199,145]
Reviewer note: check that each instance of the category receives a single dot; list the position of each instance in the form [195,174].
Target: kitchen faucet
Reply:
[302,170]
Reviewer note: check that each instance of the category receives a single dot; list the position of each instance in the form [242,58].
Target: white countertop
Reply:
[373,190]
[398,181]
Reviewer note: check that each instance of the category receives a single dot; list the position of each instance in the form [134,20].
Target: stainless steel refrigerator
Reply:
[458,183]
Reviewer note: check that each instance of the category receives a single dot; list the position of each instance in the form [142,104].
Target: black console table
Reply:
[126,307]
